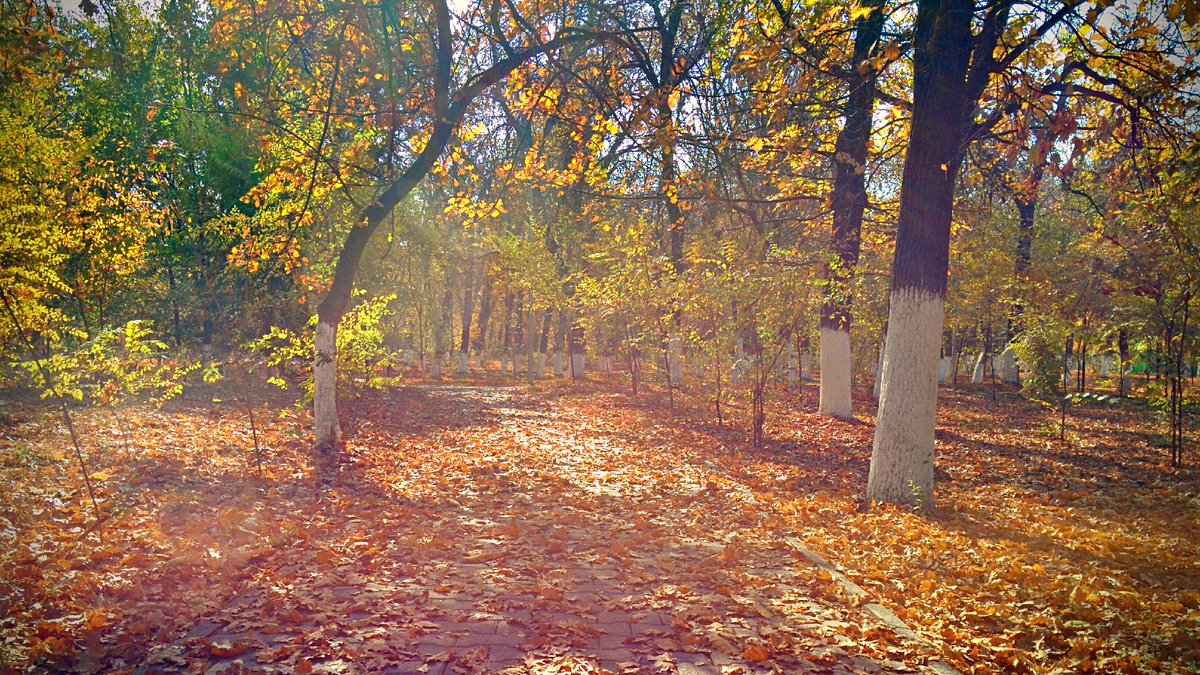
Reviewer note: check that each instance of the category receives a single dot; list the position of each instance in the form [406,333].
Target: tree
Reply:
[848,201]
[427,120]
[952,65]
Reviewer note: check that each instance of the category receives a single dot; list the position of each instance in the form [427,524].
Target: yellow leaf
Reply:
[861,13]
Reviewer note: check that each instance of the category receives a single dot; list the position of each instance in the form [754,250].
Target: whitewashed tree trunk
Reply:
[675,361]
[435,369]
[793,368]
[806,370]
[944,367]
[980,369]
[902,457]
[464,363]
[1010,373]
[835,374]
[541,365]
[556,359]
[578,361]
[879,373]
[326,427]
[741,361]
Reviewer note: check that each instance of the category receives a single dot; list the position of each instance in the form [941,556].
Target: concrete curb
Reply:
[877,610]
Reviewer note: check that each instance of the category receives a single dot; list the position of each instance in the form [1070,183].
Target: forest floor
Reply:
[479,527]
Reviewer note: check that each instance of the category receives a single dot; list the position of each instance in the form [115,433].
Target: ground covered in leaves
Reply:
[474,527]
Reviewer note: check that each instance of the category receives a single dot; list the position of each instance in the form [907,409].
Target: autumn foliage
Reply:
[854,336]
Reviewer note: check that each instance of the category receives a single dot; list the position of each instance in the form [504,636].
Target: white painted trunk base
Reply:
[835,374]
[878,374]
[675,361]
[577,363]
[557,359]
[980,366]
[806,366]
[1009,372]
[435,370]
[793,370]
[944,367]
[326,429]
[464,362]
[541,366]
[741,364]
[902,455]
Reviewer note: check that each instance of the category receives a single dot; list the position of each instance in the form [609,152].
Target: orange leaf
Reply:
[757,654]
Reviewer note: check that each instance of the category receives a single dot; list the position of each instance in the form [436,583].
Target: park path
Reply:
[488,530]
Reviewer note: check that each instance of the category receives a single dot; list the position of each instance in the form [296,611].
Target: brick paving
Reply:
[570,590]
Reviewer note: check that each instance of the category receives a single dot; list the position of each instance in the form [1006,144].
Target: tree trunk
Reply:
[176,331]
[440,331]
[576,348]
[1081,368]
[848,200]
[326,428]
[1123,360]
[529,335]
[507,338]
[835,398]
[943,101]
[485,314]
[560,342]
[675,361]
[468,309]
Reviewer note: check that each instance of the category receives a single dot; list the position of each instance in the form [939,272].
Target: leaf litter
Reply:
[489,529]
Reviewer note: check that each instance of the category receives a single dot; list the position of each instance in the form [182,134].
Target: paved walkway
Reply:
[508,536]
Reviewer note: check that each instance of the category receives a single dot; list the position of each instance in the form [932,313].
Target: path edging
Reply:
[885,615]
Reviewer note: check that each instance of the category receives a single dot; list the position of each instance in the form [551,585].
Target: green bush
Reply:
[1040,350]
